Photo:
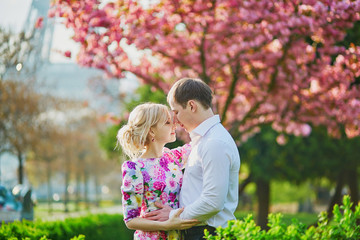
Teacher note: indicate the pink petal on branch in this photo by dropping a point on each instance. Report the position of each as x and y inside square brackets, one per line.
[267, 44]
[281, 140]
[67, 54]
[305, 130]
[39, 22]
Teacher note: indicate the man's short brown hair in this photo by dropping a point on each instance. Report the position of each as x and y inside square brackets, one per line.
[187, 89]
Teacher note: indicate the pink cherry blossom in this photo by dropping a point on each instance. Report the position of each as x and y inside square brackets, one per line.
[67, 54]
[39, 22]
[268, 62]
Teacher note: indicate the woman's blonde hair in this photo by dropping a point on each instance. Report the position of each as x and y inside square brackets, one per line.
[133, 137]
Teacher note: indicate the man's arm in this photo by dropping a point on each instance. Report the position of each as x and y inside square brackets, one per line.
[216, 159]
[172, 223]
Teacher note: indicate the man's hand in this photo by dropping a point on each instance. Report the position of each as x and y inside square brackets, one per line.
[176, 223]
[162, 214]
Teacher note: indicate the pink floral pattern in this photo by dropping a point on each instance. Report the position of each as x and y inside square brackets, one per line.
[146, 181]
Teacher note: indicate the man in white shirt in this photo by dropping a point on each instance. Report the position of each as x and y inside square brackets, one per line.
[209, 191]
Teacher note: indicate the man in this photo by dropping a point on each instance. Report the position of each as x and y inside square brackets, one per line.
[210, 185]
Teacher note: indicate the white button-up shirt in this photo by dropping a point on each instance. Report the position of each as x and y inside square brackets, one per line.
[210, 185]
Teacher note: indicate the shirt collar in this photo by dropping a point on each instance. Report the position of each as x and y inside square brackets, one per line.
[203, 127]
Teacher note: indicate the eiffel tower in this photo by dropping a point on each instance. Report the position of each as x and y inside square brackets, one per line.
[67, 79]
[43, 36]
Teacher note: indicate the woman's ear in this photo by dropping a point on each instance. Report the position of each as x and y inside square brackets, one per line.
[151, 133]
[151, 136]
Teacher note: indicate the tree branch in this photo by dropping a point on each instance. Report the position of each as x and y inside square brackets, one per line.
[246, 182]
[235, 78]
[203, 74]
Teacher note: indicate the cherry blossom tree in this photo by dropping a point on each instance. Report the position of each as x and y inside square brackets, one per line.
[268, 61]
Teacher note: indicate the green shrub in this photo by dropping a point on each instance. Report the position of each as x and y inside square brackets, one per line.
[344, 225]
[92, 227]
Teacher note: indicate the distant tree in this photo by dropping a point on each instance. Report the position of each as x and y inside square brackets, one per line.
[321, 155]
[267, 162]
[14, 51]
[43, 156]
[299, 159]
[20, 106]
[21, 101]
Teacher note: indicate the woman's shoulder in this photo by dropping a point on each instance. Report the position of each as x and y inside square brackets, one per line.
[176, 153]
[167, 153]
[130, 164]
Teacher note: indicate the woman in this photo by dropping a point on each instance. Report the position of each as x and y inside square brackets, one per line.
[153, 173]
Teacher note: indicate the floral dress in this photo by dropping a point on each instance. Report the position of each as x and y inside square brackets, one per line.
[147, 180]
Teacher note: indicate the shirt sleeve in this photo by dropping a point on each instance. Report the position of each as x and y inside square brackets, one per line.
[216, 161]
[132, 190]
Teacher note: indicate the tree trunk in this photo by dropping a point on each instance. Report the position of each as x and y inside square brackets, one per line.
[78, 178]
[97, 194]
[48, 171]
[354, 187]
[336, 198]
[20, 169]
[66, 193]
[244, 184]
[0, 169]
[86, 188]
[263, 196]
[67, 181]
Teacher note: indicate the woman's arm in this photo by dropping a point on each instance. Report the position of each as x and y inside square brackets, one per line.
[132, 190]
[171, 224]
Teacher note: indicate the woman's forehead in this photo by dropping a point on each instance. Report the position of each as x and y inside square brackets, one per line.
[168, 113]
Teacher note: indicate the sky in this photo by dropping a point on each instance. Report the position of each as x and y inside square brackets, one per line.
[13, 14]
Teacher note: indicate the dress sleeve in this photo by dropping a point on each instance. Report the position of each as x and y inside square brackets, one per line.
[132, 190]
[180, 154]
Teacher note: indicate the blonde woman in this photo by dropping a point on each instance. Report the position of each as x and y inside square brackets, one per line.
[153, 174]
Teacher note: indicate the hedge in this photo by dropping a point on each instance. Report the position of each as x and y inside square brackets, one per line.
[91, 227]
[344, 225]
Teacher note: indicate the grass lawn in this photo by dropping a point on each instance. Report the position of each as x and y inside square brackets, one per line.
[42, 212]
[305, 218]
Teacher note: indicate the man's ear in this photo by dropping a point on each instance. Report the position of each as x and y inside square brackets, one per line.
[192, 105]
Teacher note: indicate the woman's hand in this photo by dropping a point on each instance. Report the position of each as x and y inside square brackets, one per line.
[161, 214]
[176, 223]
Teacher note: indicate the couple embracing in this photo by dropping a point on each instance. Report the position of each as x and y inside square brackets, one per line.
[178, 193]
